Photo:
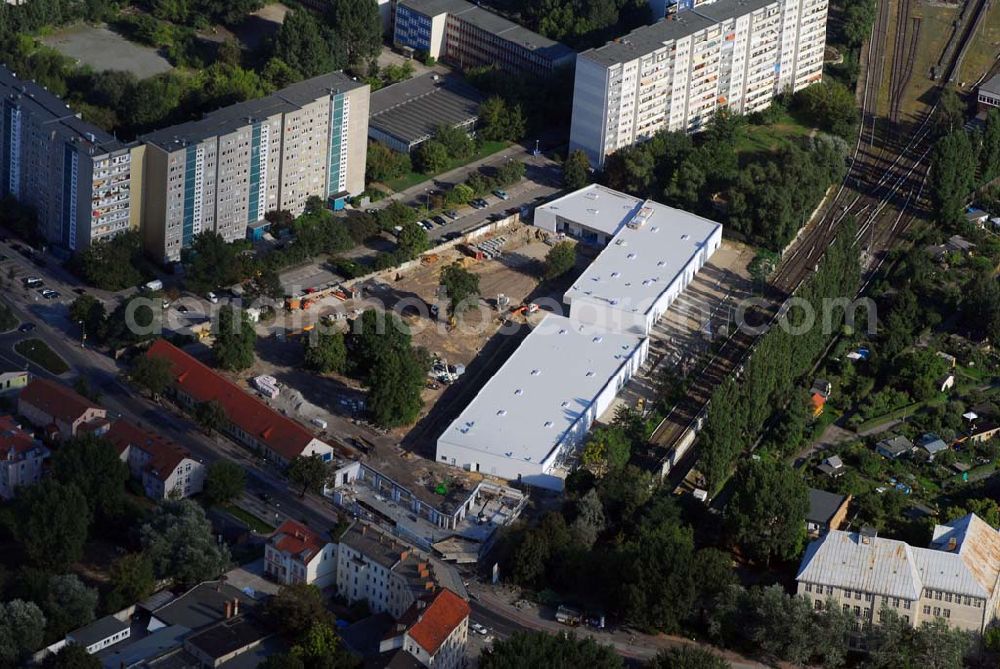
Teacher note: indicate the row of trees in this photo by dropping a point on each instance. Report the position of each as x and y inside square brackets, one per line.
[960, 162]
[765, 197]
[740, 407]
[580, 23]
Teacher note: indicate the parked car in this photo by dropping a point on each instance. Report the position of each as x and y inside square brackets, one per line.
[502, 194]
[452, 214]
[32, 282]
[479, 203]
[213, 298]
[478, 628]
[26, 327]
[50, 294]
[439, 220]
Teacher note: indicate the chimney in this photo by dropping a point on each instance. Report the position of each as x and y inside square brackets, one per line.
[952, 544]
[236, 606]
[364, 530]
[403, 556]
[228, 609]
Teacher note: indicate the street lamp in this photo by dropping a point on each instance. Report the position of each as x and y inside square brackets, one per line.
[83, 333]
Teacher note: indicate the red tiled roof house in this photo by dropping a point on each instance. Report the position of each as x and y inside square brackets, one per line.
[21, 458]
[165, 469]
[60, 410]
[251, 422]
[434, 630]
[297, 554]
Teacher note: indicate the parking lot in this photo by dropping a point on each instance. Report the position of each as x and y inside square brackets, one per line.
[103, 49]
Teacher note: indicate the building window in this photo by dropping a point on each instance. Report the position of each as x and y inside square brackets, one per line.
[895, 602]
[857, 595]
[947, 597]
[809, 587]
[947, 613]
[818, 605]
[927, 610]
[906, 604]
[857, 611]
[937, 611]
[937, 595]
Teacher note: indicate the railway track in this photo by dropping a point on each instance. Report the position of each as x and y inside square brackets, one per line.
[883, 187]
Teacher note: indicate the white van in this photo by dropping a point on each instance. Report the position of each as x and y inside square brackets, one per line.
[319, 422]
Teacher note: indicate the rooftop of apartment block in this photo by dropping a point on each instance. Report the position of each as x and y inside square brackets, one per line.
[492, 23]
[647, 39]
[230, 119]
[48, 106]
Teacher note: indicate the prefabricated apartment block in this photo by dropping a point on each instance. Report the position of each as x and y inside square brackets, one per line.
[467, 35]
[225, 171]
[673, 75]
[527, 421]
[81, 181]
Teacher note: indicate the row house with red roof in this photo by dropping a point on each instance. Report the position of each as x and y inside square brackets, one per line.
[22, 458]
[297, 554]
[165, 469]
[434, 631]
[60, 411]
[250, 421]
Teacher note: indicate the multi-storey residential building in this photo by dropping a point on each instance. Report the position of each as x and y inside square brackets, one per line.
[434, 631]
[955, 579]
[467, 35]
[297, 554]
[225, 171]
[79, 179]
[60, 411]
[386, 572]
[165, 469]
[21, 458]
[674, 75]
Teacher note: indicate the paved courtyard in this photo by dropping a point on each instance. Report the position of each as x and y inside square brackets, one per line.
[103, 49]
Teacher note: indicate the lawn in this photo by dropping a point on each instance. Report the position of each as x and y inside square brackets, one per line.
[935, 29]
[249, 519]
[784, 132]
[39, 353]
[984, 49]
[413, 178]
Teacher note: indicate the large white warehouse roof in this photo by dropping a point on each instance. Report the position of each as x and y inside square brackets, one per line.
[593, 206]
[646, 258]
[552, 380]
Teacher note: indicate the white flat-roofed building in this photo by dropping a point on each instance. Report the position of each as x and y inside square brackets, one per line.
[654, 252]
[542, 402]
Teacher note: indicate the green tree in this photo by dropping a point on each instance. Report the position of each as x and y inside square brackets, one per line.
[235, 341]
[859, 16]
[358, 26]
[89, 312]
[309, 472]
[22, 629]
[279, 74]
[553, 651]
[989, 155]
[307, 46]
[72, 656]
[224, 481]
[318, 646]
[91, 464]
[607, 448]
[456, 141]
[461, 286]
[132, 580]
[500, 122]
[950, 111]
[687, 657]
[153, 374]
[297, 608]
[211, 416]
[576, 170]
[560, 259]
[179, 541]
[952, 176]
[52, 523]
[412, 241]
[589, 521]
[109, 263]
[430, 157]
[767, 512]
[394, 387]
[69, 605]
[211, 262]
[830, 105]
[326, 352]
[383, 163]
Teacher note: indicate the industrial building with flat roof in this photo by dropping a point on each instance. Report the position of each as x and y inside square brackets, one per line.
[78, 178]
[673, 75]
[224, 172]
[405, 115]
[527, 421]
[542, 401]
[655, 253]
[467, 35]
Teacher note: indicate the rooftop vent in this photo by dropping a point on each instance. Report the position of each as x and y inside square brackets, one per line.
[502, 412]
[562, 330]
[564, 404]
[630, 256]
[590, 373]
[615, 275]
[519, 392]
[536, 372]
[548, 423]
[685, 237]
[598, 339]
[621, 242]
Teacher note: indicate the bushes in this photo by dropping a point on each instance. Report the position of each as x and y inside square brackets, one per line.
[430, 157]
[384, 164]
